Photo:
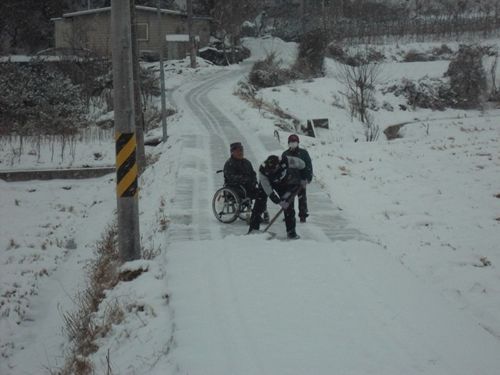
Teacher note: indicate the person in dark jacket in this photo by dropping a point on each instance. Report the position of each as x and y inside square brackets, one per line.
[305, 174]
[279, 183]
[238, 171]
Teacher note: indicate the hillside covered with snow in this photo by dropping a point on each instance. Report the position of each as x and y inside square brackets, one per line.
[396, 271]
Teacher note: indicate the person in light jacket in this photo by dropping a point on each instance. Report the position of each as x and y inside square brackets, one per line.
[278, 181]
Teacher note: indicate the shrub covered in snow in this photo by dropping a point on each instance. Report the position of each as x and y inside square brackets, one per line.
[467, 76]
[336, 52]
[150, 85]
[355, 57]
[36, 99]
[414, 56]
[92, 74]
[268, 73]
[311, 54]
[464, 88]
[442, 52]
[433, 93]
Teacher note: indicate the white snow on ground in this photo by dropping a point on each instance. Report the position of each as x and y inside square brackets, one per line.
[260, 48]
[312, 307]
[47, 232]
[396, 271]
[94, 147]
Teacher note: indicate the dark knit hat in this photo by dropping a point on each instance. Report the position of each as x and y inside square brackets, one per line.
[235, 146]
[271, 162]
[293, 138]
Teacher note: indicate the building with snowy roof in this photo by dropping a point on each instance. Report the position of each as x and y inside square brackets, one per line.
[91, 30]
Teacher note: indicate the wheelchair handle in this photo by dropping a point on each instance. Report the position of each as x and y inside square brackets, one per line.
[219, 171]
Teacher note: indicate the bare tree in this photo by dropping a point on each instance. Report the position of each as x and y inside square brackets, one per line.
[359, 82]
[229, 15]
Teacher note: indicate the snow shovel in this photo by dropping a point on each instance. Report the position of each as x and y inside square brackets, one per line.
[290, 199]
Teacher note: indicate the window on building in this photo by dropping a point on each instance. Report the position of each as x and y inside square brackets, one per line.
[142, 31]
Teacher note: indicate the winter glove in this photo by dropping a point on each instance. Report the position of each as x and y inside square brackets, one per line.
[284, 204]
[274, 198]
[303, 184]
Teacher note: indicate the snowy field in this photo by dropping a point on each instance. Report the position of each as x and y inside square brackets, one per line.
[47, 232]
[396, 272]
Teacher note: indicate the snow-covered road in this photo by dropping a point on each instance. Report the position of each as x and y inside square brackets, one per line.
[334, 302]
[205, 149]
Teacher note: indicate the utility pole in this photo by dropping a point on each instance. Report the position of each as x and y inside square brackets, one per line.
[192, 46]
[126, 166]
[161, 39]
[139, 115]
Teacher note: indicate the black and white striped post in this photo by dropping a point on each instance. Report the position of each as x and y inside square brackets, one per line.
[126, 165]
[126, 144]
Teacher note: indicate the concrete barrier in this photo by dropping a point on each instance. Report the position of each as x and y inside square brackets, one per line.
[52, 174]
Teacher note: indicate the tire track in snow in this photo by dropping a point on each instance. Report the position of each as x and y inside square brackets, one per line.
[190, 217]
[221, 134]
[202, 153]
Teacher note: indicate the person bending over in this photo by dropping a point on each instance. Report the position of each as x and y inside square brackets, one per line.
[278, 182]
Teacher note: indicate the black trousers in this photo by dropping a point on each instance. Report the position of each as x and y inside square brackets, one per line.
[302, 198]
[261, 204]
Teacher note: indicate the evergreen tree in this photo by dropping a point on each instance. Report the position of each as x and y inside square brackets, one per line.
[467, 76]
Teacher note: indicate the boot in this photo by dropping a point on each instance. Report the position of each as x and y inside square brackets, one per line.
[265, 217]
[292, 235]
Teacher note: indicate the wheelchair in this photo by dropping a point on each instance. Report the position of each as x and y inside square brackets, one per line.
[230, 202]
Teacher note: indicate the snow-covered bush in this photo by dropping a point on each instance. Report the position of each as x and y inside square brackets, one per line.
[467, 76]
[91, 73]
[354, 57]
[433, 93]
[36, 99]
[336, 52]
[249, 29]
[442, 52]
[268, 73]
[152, 116]
[416, 56]
[373, 55]
[311, 54]
[150, 85]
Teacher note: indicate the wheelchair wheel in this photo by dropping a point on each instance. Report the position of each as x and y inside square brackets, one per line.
[245, 210]
[226, 205]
